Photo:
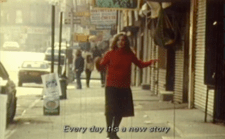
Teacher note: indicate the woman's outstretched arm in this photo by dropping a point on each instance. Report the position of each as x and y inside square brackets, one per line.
[142, 64]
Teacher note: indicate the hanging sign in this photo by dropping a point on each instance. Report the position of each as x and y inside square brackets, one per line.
[103, 17]
[133, 4]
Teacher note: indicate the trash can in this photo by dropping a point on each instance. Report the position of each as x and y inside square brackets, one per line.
[63, 85]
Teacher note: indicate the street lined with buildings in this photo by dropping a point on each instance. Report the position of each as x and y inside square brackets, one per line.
[82, 117]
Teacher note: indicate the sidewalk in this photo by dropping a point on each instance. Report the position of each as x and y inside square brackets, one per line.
[84, 109]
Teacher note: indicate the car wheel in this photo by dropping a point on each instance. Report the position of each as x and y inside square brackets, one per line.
[14, 109]
[20, 83]
[11, 110]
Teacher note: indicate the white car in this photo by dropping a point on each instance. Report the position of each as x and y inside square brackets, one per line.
[11, 46]
[48, 54]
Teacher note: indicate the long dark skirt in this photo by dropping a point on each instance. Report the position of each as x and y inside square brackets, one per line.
[119, 102]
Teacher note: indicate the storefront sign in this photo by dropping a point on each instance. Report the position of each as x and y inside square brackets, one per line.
[75, 21]
[80, 38]
[94, 32]
[116, 3]
[103, 27]
[82, 14]
[103, 17]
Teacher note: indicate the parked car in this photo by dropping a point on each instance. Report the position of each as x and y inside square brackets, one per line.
[11, 46]
[31, 71]
[8, 87]
[48, 55]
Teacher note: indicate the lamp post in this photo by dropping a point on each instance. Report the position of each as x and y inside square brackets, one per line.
[53, 38]
[60, 41]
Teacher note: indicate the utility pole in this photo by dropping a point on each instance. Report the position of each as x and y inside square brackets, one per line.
[74, 6]
[53, 38]
[71, 35]
[72, 27]
[60, 41]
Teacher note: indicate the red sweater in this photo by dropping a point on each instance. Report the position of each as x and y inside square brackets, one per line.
[118, 63]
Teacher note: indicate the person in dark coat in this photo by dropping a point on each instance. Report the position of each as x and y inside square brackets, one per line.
[89, 67]
[96, 54]
[118, 95]
[79, 67]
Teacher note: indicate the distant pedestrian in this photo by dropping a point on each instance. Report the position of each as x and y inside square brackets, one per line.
[89, 67]
[79, 67]
[118, 95]
[96, 52]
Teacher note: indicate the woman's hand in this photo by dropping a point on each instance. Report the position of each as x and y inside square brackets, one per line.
[155, 60]
[97, 63]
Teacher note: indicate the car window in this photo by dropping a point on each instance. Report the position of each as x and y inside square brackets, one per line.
[3, 72]
[36, 65]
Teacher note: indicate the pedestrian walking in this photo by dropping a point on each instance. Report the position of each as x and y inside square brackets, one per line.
[118, 95]
[97, 53]
[79, 67]
[89, 67]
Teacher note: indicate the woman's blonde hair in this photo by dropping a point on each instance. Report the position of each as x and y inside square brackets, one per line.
[115, 40]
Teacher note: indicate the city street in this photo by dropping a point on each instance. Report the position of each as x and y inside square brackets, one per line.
[82, 117]
[171, 53]
[83, 108]
[82, 113]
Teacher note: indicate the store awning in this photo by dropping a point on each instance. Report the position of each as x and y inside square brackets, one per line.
[169, 0]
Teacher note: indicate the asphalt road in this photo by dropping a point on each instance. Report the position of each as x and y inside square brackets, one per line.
[29, 93]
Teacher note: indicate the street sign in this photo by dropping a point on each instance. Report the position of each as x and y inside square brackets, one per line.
[79, 14]
[103, 17]
[116, 3]
[82, 13]
[75, 21]
[103, 27]
[80, 38]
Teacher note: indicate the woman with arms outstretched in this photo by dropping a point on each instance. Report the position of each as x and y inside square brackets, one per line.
[118, 96]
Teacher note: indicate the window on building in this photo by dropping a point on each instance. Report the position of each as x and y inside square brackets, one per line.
[78, 2]
[19, 17]
[2, 17]
[7, 18]
[33, 16]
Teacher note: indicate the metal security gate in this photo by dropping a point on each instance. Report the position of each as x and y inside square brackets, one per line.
[155, 70]
[162, 65]
[179, 72]
[199, 86]
[154, 67]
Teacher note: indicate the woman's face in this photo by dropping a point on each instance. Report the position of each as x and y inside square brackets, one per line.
[121, 42]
